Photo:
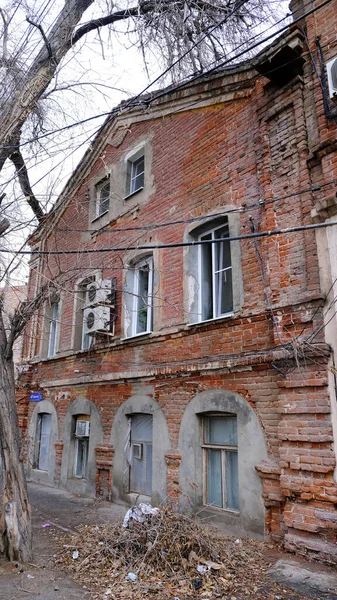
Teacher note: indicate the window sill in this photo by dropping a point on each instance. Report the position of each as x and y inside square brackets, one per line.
[133, 193]
[137, 335]
[226, 316]
[99, 216]
[232, 511]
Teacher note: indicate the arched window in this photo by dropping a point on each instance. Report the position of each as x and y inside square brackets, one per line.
[213, 270]
[220, 449]
[42, 442]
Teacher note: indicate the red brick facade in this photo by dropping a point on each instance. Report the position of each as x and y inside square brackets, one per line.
[235, 140]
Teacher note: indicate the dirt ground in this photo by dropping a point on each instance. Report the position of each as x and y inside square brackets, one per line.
[57, 513]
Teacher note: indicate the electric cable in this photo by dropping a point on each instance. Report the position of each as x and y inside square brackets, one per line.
[246, 236]
[132, 102]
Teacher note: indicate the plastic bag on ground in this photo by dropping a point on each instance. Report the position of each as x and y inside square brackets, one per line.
[140, 513]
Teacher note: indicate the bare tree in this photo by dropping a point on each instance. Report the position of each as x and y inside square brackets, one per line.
[191, 35]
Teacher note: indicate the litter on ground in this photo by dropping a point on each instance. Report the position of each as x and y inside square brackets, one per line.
[165, 556]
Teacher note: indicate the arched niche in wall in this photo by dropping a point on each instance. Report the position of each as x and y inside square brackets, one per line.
[42, 435]
[78, 470]
[140, 439]
[221, 442]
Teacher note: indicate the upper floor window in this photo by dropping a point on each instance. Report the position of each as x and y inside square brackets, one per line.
[135, 173]
[220, 447]
[215, 266]
[102, 196]
[214, 285]
[53, 329]
[139, 298]
[51, 326]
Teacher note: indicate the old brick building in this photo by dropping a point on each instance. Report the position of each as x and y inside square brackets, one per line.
[176, 366]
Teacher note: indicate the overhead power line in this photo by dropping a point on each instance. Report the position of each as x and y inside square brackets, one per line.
[234, 238]
[137, 101]
[242, 208]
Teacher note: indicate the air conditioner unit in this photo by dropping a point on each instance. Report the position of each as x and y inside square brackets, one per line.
[96, 318]
[99, 292]
[82, 428]
[331, 68]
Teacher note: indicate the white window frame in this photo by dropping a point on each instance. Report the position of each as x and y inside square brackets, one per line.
[134, 175]
[131, 177]
[214, 248]
[148, 302]
[38, 440]
[86, 340]
[53, 329]
[223, 448]
[101, 185]
[85, 465]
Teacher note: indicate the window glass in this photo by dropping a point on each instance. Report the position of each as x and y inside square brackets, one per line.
[216, 290]
[141, 443]
[102, 197]
[221, 478]
[143, 298]
[137, 175]
[81, 446]
[43, 431]
[81, 466]
[221, 430]
[206, 278]
[53, 329]
[214, 478]
[138, 298]
[232, 480]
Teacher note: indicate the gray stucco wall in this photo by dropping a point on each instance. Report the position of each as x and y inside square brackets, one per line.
[251, 451]
[140, 404]
[81, 406]
[46, 477]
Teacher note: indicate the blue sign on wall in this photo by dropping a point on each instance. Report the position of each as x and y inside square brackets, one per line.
[35, 396]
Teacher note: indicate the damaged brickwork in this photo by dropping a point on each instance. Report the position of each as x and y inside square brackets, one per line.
[256, 150]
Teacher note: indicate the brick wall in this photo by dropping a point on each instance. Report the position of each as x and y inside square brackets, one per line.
[255, 145]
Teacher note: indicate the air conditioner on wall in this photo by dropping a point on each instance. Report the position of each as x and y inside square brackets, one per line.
[95, 319]
[82, 428]
[331, 68]
[99, 292]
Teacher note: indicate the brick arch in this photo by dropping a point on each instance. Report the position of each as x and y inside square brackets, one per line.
[251, 451]
[81, 406]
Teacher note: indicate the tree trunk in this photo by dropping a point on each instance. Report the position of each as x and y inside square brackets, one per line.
[15, 520]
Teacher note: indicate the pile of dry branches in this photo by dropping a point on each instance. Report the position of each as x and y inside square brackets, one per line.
[165, 553]
[168, 557]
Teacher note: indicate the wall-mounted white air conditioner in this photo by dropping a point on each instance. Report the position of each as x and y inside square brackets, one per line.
[82, 428]
[99, 292]
[96, 318]
[331, 68]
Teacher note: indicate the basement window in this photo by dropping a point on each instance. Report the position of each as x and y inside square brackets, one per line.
[42, 442]
[81, 447]
[221, 473]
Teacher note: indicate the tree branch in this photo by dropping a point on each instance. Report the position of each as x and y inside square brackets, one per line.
[45, 39]
[4, 224]
[5, 36]
[137, 11]
[22, 173]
